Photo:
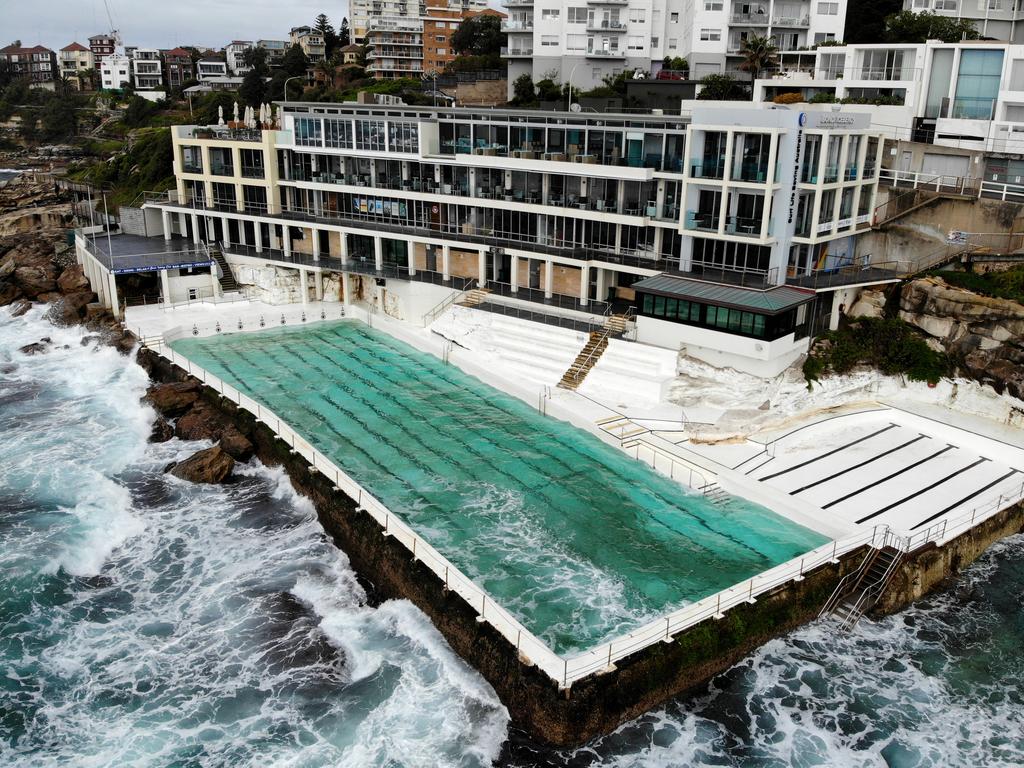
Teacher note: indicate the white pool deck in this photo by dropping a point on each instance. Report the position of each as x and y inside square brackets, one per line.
[838, 470]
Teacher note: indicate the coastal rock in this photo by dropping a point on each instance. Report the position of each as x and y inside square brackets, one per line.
[162, 431]
[124, 343]
[173, 399]
[9, 293]
[212, 465]
[236, 444]
[73, 280]
[202, 422]
[19, 307]
[50, 297]
[7, 268]
[870, 303]
[37, 347]
[34, 280]
[70, 309]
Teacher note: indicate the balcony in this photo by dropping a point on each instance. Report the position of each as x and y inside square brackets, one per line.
[519, 3]
[189, 166]
[749, 19]
[516, 53]
[702, 221]
[607, 2]
[710, 170]
[752, 172]
[517, 25]
[252, 172]
[222, 169]
[744, 226]
[791, 22]
[606, 26]
[605, 53]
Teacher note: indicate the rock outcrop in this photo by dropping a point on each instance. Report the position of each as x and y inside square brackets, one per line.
[985, 335]
[212, 465]
[173, 399]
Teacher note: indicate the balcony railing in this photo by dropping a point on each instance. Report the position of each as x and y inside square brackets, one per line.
[516, 53]
[715, 170]
[744, 226]
[253, 171]
[750, 19]
[191, 167]
[605, 53]
[516, 25]
[606, 26]
[222, 169]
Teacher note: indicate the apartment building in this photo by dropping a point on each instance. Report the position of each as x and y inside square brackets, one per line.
[311, 42]
[115, 71]
[210, 69]
[725, 232]
[441, 20]
[276, 49]
[234, 52]
[963, 96]
[178, 68]
[102, 45]
[74, 60]
[36, 63]
[147, 70]
[994, 19]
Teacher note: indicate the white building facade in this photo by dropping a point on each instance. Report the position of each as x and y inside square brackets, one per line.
[234, 52]
[115, 71]
[147, 70]
[994, 19]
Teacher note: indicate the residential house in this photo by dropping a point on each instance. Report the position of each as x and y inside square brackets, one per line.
[276, 49]
[37, 64]
[311, 42]
[350, 53]
[147, 70]
[178, 68]
[234, 52]
[207, 69]
[102, 45]
[74, 60]
[115, 71]
[994, 19]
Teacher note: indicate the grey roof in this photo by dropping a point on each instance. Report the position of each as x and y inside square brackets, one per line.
[772, 301]
[124, 253]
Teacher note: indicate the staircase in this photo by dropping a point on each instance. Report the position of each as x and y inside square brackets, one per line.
[474, 297]
[585, 360]
[857, 593]
[714, 493]
[227, 277]
[616, 324]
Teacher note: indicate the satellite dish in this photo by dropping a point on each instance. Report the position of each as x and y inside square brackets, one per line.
[575, 107]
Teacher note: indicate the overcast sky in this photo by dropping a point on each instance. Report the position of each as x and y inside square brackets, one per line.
[160, 23]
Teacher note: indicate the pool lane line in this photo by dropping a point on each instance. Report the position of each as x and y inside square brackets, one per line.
[826, 455]
[890, 477]
[967, 498]
[915, 494]
[858, 466]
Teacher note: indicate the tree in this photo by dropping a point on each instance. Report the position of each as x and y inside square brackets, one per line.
[208, 112]
[58, 119]
[522, 90]
[256, 59]
[323, 25]
[277, 83]
[138, 112]
[344, 33]
[295, 62]
[253, 90]
[758, 54]
[478, 35]
[865, 19]
[912, 27]
[722, 88]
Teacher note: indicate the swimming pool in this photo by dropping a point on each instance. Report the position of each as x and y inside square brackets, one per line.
[577, 540]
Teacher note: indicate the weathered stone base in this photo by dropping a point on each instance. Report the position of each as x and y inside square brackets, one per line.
[537, 704]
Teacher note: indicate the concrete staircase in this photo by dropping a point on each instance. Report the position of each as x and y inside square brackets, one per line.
[227, 277]
[585, 360]
[474, 297]
[857, 593]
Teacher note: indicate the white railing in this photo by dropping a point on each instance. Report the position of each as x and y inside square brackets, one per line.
[563, 670]
[674, 467]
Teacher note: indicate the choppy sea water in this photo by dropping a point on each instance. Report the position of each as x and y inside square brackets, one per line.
[148, 622]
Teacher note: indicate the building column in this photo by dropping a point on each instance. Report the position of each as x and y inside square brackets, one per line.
[344, 248]
[211, 233]
[166, 216]
[602, 284]
[303, 286]
[241, 233]
[318, 284]
[183, 224]
[378, 253]
[482, 267]
[214, 282]
[346, 297]
[446, 263]
[584, 284]
[410, 258]
[115, 304]
[286, 241]
[195, 229]
[165, 286]
[514, 272]
[258, 235]
[315, 234]
[549, 279]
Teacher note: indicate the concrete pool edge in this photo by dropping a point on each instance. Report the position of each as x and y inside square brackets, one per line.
[600, 701]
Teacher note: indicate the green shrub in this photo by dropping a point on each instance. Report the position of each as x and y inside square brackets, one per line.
[998, 285]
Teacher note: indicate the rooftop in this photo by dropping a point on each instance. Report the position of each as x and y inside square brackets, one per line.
[772, 301]
[124, 254]
[75, 47]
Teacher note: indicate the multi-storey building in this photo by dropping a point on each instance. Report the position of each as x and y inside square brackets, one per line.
[276, 49]
[178, 68]
[36, 64]
[74, 60]
[208, 69]
[994, 19]
[147, 69]
[310, 41]
[958, 96]
[396, 47]
[115, 71]
[234, 52]
[102, 46]
[440, 21]
[727, 234]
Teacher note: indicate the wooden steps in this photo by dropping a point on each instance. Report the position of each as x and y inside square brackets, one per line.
[585, 360]
[474, 297]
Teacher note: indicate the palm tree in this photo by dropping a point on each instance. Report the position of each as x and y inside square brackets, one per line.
[758, 54]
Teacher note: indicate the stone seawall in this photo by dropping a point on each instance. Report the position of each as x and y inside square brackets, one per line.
[590, 707]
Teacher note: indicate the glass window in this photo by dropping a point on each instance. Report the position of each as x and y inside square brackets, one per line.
[648, 304]
[404, 137]
[370, 135]
[659, 306]
[338, 133]
[758, 325]
[977, 85]
[307, 132]
[671, 308]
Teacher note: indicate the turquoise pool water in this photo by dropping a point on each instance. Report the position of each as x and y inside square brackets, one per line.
[576, 539]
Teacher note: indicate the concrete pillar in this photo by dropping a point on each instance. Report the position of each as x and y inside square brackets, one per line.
[549, 279]
[315, 234]
[241, 233]
[410, 257]
[446, 263]
[195, 229]
[258, 236]
[165, 286]
[346, 296]
[344, 248]
[167, 224]
[482, 267]
[378, 253]
[286, 241]
[304, 286]
[183, 223]
[584, 284]
[318, 284]
[211, 233]
[514, 271]
[214, 282]
[602, 283]
[115, 304]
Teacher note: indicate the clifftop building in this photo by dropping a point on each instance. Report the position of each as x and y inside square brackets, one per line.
[37, 64]
[994, 19]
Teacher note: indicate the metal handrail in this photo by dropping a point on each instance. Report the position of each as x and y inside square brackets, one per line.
[431, 315]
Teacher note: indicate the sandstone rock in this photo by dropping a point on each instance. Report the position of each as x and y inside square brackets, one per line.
[70, 309]
[173, 399]
[20, 306]
[236, 444]
[212, 465]
[9, 292]
[34, 280]
[162, 431]
[73, 280]
[870, 303]
[124, 343]
[202, 422]
[7, 268]
[37, 347]
[49, 297]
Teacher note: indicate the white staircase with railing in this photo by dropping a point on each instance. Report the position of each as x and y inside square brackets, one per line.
[858, 592]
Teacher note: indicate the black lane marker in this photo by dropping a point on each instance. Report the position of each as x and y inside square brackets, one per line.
[858, 466]
[965, 499]
[890, 477]
[830, 453]
[915, 494]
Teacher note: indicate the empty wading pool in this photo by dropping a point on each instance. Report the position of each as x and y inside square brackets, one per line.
[577, 540]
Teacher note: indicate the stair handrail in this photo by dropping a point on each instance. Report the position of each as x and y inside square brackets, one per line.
[841, 589]
[705, 485]
[872, 592]
[605, 335]
[432, 315]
